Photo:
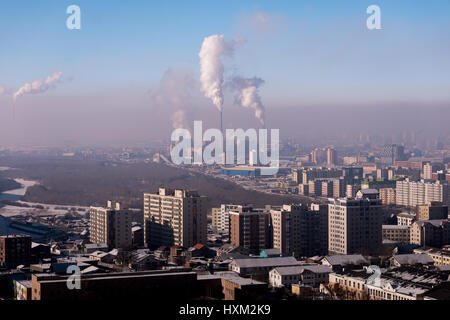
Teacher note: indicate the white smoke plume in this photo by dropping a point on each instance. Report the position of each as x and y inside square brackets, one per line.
[173, 95]
[211, 67]
[38, 86]
[248, 95]
[5, 91]
[179, 120]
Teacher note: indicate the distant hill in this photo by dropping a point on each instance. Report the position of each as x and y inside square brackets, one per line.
[8, 184]
[84, 183]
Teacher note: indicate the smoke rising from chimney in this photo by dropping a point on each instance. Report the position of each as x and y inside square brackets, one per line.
[38, 86]
[248, 95]
[179, 120]
[211, 67]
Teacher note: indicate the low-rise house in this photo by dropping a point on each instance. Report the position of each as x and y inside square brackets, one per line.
[339, 263]
[142, 260]
[238, 288]
[260, 267]
[441, 257]
[200, 250]
[91, 247]
[270, 253]
[39, 251]
[411, 260]
[102, 256]
[309, 275]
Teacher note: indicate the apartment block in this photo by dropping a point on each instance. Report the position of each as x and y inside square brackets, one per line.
[110, 225]
[249, 228]
[299, 230]
[387, 196]
[405, 219]
[431, 233]
[15, 250]
[223, 218]
[399, 234]
[415, 193]
[355, 225]
[432, 211]
[174, 217]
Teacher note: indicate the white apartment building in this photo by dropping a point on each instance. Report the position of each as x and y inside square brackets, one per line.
[174, 217]
[110, 225]
[222, 218]
[355, 225]
[405, 219]
[412, 193]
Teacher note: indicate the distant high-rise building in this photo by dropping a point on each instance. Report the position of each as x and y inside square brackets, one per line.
[249, 228]
[432, 211]
[393, 153]
[327, 189]
[174, 217]
[296, 176]
[314, 156]
[215, 218]
[414, 193]
[15, 250]
[319, 156]
[338, 188]
[253, 157]
[355, 225]
[382, 173]
[387, 196]
[222, 217]
[331, 157]
[427, 171]
[300, 231]
[110, 225]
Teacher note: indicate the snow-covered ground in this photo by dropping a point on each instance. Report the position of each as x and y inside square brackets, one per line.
[16, 194]
[21, 191]
[49, 209]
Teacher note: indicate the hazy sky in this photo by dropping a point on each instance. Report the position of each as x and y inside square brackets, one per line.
[134, 63]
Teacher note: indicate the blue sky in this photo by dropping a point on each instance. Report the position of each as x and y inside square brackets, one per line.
[312, 51]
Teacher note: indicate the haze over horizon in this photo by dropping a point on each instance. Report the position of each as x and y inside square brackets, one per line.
[123, 76]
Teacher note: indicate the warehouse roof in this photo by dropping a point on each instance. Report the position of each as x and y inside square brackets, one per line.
[266, 262]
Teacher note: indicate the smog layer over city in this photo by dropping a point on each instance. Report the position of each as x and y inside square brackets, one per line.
[225, 158]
